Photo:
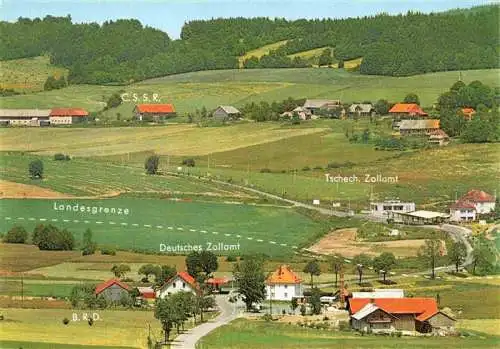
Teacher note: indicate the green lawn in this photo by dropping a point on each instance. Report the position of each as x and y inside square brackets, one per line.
[237, 87]
[39, 345]
[154, 221]
[15, 288]
[252, 334]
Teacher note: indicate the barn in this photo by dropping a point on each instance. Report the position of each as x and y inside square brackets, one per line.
[154, 112]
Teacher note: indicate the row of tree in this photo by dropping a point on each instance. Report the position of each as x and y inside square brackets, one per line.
[46, 237]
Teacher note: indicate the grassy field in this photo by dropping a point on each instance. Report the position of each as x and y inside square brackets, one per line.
[115, 329]
[250, 334]
[153, 221]
[237, 87]
[37, 345]
[28, 74]
[316, 52]
[261, 51]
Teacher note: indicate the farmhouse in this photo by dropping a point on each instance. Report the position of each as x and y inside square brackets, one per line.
[419, 217]
[474, 203]
[408, 315]
[380, 293]
[24, 117]
[407, 111]
[146, 294]
[154, 112]
[315, 105]
[283, 285]
[418, 127]
[362, 109]
[301, 112]
[468, 113]
[383, 208]
[182, 281]
[226, 112]
[438, 137]
[67, 116]
[113, 290]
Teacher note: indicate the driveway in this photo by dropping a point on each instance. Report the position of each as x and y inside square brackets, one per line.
[188, 339]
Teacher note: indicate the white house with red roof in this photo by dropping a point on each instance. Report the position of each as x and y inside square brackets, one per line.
[154, 112]
[408, 315]
[474, 203]
[113, 290]
[182, 281]
[67, 116]
[283, 285]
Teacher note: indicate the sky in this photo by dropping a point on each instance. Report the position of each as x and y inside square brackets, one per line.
[170, 15]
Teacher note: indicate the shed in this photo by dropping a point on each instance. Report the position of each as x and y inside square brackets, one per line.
[113, 290]
[226, 112]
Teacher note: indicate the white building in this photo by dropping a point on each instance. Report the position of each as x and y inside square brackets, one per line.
[462, 211]
[283, 285]
[180, 282]
[483, 202]
[383, 208]
[380, 293]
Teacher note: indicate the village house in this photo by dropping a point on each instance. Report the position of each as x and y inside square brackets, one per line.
[418, 127]
[420, 217]
[283, 285]
[182, 281]
[146, 294]
[438, 137]
[408, 315]
[67, 116]
[469, 206]
[226, 112]
[380, 293]
[315, 105]
[362, 109]
[25, 117]
[301, 112]
[382, 208]
[113, 290]
[407, 111]
[154, 112]
[468, 113]
[218, 283]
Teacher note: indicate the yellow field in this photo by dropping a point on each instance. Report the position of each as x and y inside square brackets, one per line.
[27, 74]
[117, 328]
[261, 51]
[310, 53]
[171, 139]
[353, 63]
[489, 326]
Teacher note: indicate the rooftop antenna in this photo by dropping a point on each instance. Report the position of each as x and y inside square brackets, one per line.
[459, 76]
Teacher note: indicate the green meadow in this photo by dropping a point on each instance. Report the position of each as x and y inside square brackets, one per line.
[150, 222]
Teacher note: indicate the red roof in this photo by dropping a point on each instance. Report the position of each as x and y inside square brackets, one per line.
[283, 275]
[69, 112]
[101, 287]
[217, 281]
[155, 108]
[438, 132]
[410, 108]
[477, 196]
[463, 204]
[147, 292]
[184, 275]
[468, 110]
[422, 308]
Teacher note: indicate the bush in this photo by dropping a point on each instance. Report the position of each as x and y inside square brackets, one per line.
[344, 326]
[151, 164]
[231, 258]
[267, 317]
[65, 321]
[306, 168]
[50, 238]
[317, 168]
[111, 251]
[16, 235]
[188, 162]
[265, 170]
[36, 169]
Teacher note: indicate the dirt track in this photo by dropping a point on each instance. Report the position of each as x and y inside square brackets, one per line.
[12, 190]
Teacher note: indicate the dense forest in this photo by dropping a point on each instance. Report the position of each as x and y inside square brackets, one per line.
[124, 50]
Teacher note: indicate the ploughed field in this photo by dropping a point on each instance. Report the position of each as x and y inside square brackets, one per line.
[163, 225]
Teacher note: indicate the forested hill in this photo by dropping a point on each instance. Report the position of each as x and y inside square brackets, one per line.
[123, 51]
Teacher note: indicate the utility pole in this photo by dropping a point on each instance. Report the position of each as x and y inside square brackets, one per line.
[208, 164]
[168, 162]
[341, 291]
[22, 290]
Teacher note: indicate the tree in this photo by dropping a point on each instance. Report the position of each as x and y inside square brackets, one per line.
[36, 169]
[483, 256]
[16, 235]
[315, 301]
[193, 264]
[412, 98]
[336, 265]
[151, 164]
[452, 122]
[384, 263]
[430, 253]
[250, 278]
[457, 253]
[382, 107]
[208, 262]
[49, 237]
[325, 58]
[481, 129]
[167, 272]
[202, 303]
[149, 269]
[360, 262]
[312, 268]
[120, 270]
[114, 101]
[89, 246]
[341, 64]
[457, 86]
[167, 313]
[294, 304]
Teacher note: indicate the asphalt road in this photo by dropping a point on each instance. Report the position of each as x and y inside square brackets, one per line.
[188, 339]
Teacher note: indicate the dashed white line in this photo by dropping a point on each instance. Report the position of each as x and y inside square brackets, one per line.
[54, 219]
[98, 222]
[135, 224]
[87, 222]
[31, 219]
[283, 244]
[147, 225]
[180, 228]
[193, 230]
[112, 223]
[215, 233]
[294, 247]
[159, 226]
[7, 218]
[227, 234]
[347, 261]
[238, 235]
[204, 231]
[20, 218]
[65, 220]
[123, 223]
[260, 240]
[170, 228]
[43, 219]
[249, 238]
[74, 221]
[272, 242]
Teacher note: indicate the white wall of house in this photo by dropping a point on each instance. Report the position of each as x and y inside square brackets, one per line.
[485, 207]
[382, 209]
[284, 292]
[462, 214]
[175, 285]
[61, 120]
